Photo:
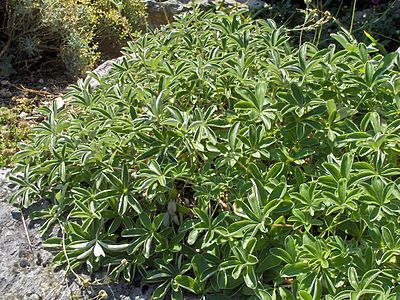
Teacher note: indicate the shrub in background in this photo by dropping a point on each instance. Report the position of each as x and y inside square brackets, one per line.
[63, 32]
[313, 20]
[216, 159]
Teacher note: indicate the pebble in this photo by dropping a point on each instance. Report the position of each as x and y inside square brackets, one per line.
[59, 102]
[5, 93]
[4, 82]
[34, 297]
[41, 81]
[23, 115]
[23, 263]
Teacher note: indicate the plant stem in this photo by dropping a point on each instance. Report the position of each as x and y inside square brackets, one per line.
[352, 15]
[26, 230]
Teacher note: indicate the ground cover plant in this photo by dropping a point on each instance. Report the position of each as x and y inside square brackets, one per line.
[219, 160]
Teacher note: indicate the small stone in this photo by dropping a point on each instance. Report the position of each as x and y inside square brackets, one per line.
[39, 259]
[41, 81]
[59, 102]
[23, 115]
[34, 297]
[23, 263]
[5, 93]
[4, 82]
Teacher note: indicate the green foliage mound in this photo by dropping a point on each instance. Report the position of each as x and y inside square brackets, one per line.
[218, 160]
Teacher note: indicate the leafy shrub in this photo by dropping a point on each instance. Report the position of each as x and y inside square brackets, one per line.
[66, 32]
[313, 20]
[218, 160]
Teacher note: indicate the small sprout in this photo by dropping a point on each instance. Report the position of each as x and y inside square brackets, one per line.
[85, 283]
[103, 294]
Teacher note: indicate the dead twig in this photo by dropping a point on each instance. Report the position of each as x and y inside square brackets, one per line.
[26, 230]
[32, 91]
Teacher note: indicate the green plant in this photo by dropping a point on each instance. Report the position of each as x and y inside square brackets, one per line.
[218, 160]
[64, 32]
[314, 20]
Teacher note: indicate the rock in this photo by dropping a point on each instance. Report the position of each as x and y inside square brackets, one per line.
[102, 71]
[41, 81]
[4, 82]
[5, 93]
[162, 12]
[23, 115]
[34, 297]
[23, 263]
[3, 174]
[59, 102]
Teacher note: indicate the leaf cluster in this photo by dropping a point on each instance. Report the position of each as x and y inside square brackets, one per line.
[217, 159]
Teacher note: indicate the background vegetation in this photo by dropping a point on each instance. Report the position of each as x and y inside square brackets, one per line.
[64, 34]
[314, 20]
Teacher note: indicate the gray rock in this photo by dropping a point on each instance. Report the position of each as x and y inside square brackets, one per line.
[23, 263]
[5, 93]
[102, 71]
[23, 115]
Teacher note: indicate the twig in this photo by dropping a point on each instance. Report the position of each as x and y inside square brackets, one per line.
[26, 230]
[66, 255]
[353, 15]
[32, 91]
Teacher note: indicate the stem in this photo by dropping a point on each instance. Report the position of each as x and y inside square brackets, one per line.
[304, 24]
[66, 254]
[352, 15]
[26, 229]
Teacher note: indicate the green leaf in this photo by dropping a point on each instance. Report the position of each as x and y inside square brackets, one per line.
[297, 93]
[282, 254]
[346, 165]
[98, 250]
[232, 135]
[294, 269]
[161, 291]
[305, 295]
[188, 283]
[250, 277]
[192, 237]
[353, 278]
